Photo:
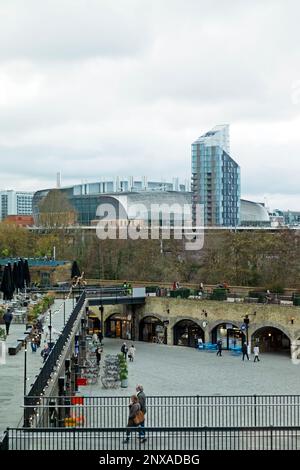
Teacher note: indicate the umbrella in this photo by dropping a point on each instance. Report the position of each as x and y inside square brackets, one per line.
[15, 275]
[75, 270]
[21, 274]
[11, 279]
[26, 273]
[6, 284]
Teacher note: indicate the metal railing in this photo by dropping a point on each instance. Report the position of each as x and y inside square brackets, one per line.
[170, 411]
[175, 438]
[42, 379]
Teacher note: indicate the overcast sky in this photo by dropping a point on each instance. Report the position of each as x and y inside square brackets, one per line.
[97, 88]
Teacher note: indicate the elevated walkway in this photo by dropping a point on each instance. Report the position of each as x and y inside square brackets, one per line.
[115, 295]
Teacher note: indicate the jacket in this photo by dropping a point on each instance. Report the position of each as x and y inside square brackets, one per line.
[133, 409]
[142, 400]
[7, 317]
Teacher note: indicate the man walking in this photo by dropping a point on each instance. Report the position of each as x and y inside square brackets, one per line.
[98, 351]
[124, 350]
[7, 317]
[256, 353]
[219, 347]
[245, 350]
[142, 401]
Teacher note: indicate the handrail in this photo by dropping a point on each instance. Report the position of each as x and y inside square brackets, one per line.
[42, 379]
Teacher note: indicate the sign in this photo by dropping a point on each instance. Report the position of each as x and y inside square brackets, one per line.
[243, 327]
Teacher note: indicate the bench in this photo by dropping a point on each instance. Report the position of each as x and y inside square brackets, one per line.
[13, 350]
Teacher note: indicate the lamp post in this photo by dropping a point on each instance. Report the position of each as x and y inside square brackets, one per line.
[101, 308]
[64, 309]
[50, 329]
[246, 322]
[25, 367]
[25, 417]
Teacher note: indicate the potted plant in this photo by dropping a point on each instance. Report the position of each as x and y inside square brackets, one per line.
[2, 334]
[124, 377]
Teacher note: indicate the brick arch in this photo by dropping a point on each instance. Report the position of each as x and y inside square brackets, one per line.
[257, 327]
[197, 321]
[212, 325]
[155, 315]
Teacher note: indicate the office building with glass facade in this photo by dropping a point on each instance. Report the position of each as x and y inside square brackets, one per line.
[123, 194]
[216, 179]
[15, 203]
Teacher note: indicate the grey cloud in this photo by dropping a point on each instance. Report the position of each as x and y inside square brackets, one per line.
[69, 29]
[99, 88]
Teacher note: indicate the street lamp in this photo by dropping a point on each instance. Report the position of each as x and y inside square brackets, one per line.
[101, 308]
[50, 328]
[246, 322]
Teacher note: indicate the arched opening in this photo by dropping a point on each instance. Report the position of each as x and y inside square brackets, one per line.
[271, 339]
[94, 323]
[230, 334]
[186, 333]
[119, 325]
[153, 330]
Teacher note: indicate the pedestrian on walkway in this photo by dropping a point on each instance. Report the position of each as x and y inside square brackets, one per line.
[46, 351]
[131, 353]
[142, 401]
[99, 351]
[100, 337]
[256, 353]
[245, 350]
[134, 408]
[7, 317]
[124, 350]
[219, 347]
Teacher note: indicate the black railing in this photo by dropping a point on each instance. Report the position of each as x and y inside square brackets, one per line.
[171, 411]
[44, 376]
[175, 438]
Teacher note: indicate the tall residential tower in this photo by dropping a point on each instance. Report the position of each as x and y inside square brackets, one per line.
[216, 178]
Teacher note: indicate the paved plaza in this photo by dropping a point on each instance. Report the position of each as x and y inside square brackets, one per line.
[12, 372]
[176, 370]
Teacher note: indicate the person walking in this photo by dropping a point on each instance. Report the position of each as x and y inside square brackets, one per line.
[131, 353]
[34, 339]
[46, 351]
[124, 350]
[142, 401]
[219, 347]
[100, 337]
[7, 317]
[256, 353]
[245, 351]
[99, 351]
[134, 408]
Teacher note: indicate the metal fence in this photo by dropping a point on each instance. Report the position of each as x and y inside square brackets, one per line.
[170, 411]
[41, 381]
[175, 438]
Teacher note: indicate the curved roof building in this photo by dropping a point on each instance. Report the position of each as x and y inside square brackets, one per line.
[253, 213]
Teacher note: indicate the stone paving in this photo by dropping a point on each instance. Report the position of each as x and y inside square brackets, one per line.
[12, 372]
[176, 370]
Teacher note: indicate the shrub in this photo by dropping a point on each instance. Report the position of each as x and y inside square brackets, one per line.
[219, 294]
[276, 289]
[2, 334]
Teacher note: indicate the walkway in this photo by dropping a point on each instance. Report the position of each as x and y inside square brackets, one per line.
[175, 370]
[12, 372]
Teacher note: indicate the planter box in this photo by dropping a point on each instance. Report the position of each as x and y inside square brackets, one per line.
[81, 381]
